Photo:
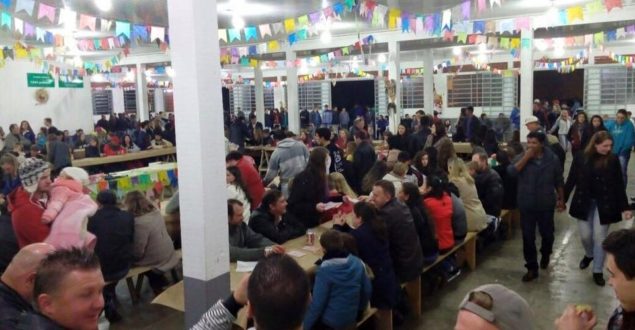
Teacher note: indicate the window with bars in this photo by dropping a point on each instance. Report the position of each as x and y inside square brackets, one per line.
[242, 98]
[270, 103]
[130, 101]
[412, 93]
[381, 99]
[608, 88]
[102, 102]
[313, 94]
[481, 89]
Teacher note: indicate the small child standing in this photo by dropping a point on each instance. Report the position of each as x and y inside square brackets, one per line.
[68, 209]
[342, 288]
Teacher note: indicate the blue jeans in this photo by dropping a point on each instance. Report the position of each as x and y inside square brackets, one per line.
[624, 157]
[593, 233]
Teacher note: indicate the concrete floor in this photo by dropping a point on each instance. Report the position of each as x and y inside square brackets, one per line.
[562, 284]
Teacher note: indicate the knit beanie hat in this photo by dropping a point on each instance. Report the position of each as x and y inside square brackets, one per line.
[30, 172]
[77, 174]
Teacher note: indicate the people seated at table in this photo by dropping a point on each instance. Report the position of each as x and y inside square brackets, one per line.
[405, 249]
[153, 246]
[16, 284]
[159, 142]
[461, 178]
[250, 176]
[364, 157]
[58, 153]
[412, 175]
[277, 294]
[489, 185]
[93, 148]
[510, 184]
[376, 173]
[68, 209]
[81, 140]
[309, 189]
[236, 189]
[410, 195]
[114, 147]
[114, 229]
[397, 175]
[323, 138]
[338, 189]
[371, 235]
[244, 243]
[341, 290]
[129, 144]
[399, 141]
[67, 292]
[141, 136]
[273, 221]
[287, 160]
[438, 204]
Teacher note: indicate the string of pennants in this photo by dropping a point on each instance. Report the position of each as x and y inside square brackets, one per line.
[627, 60]
[563, 66]
[144, 181]
[72, 20]
[240, 55]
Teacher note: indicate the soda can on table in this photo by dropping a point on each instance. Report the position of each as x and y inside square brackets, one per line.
[310, 237]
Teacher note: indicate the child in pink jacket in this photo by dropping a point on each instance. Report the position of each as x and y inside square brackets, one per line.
[69, 208]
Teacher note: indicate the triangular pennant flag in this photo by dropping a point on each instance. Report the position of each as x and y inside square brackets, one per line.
[265, 30]
[292, 38]
[610, 4]
[273, 46]
[466, 10]
[303, 21]
[302, 34]
[86, 21]
[111, 43]
[515, 43]
[122, 28]
[277, 28]
[46, 11]
[494, 2]
[5, 20]
[349, 4]
[504, 43]
[575, 13]
[18, 25]
[140, 31]
[289, 25]
[479, 27]
[222, 35]
[234, 34]
[6, 4]
[157, 32]
[251, 33]
[26, 5]
[481, 5]
[598, 38]
[68, 18]
[39, 34]
[393, 15]
[106, 25]
[345, 51]
[29, 30]
[461, 37]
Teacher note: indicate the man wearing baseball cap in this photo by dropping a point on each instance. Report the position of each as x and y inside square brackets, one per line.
[28, 202]
[533, 125]
[494, 307]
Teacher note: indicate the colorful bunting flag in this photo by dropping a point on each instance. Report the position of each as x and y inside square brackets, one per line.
[26, 5]
[122, 28]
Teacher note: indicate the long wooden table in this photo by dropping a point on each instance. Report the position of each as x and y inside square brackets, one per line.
[96, 161]
[265, 155]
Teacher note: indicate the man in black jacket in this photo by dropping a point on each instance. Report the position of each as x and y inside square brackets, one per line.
[305, 118]
[540, 191]
[16, 284]
[323, 137]
[114, 229]
[272, 220]
[489, 185]
[405, 249]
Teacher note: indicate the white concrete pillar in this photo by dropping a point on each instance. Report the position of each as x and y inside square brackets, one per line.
[526, 79]
[142, 94]
[293, 112]
[159, 100]
[278, 94]
[428, 81]
[260, 95]
[199, 133]
[394, 74]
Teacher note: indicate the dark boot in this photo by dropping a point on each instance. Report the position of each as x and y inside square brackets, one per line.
[530, 275]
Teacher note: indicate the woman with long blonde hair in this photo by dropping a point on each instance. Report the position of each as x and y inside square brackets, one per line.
[461, 178]
[338, 183]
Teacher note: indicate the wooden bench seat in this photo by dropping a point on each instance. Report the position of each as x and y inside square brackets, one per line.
[510, 218]
[470, 252]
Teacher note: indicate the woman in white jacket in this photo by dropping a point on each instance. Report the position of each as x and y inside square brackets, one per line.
[562, 126]
[236, 190]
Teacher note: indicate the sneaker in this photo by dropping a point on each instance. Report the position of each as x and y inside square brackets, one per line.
[586, 261]
[453, 275]
[598, 278]
[544, 262]
[530, 276]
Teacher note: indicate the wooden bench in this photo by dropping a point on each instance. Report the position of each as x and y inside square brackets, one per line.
[510, 218]
[469, 244]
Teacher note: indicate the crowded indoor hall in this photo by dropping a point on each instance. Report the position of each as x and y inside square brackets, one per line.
[387, 164]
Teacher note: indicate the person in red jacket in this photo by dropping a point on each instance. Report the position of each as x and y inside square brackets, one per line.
[27, 203]
[438, 203]
[250, 176]
[114, 147]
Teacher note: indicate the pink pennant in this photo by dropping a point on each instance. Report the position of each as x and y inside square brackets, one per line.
[523, 23]
[481, 5]
[610, 4]
[46, 11]
[86, 21]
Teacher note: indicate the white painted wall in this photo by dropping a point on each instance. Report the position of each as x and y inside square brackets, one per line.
[69, 108]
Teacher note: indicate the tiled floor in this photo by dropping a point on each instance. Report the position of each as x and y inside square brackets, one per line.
[502, 263]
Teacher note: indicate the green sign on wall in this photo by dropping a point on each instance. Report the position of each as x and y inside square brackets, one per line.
[70, 83]
[40, 80]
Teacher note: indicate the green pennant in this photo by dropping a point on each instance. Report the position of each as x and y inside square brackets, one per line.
[345, 51]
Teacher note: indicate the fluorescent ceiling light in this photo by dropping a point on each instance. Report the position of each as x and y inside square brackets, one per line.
[381, 58]
[457, 51]
[238, 22]
[233, 7]
[103, 5]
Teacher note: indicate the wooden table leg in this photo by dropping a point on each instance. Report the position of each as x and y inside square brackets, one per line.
[413, 289]
[470, 253]
[132, 290]
[383, 319]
